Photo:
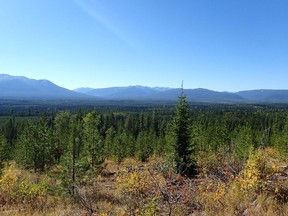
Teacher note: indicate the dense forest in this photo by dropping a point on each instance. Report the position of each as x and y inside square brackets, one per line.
[75, 145]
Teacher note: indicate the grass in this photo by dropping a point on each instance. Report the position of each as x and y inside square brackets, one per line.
[152, 188]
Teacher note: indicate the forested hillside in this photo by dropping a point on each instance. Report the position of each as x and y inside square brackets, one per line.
[222, 159]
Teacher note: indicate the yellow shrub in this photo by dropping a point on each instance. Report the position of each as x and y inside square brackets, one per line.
[261, 164]
[141, 192]
[137, 183]
[8, 184]
[251, 175]
[259, 178]
[211, 194]
[17, 188]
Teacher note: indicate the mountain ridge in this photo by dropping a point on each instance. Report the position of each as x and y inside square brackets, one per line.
[197, 95]
[20, 87]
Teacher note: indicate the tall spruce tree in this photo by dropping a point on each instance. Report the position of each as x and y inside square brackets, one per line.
[183, 149]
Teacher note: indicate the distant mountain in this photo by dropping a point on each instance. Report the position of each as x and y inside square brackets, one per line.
[159, 93]
[193, 95]
[265, 95]
[19, 87]
[127, 93]
[202, 95]
[83, 90]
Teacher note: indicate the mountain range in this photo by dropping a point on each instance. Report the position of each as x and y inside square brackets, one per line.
[19, 87]
[193, 95]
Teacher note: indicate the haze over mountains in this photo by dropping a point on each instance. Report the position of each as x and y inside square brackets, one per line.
[18, 87]
[158, 93]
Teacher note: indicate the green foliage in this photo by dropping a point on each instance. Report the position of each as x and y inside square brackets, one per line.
[141, 132]
[35, 146]
[61, 133]
[74, 164]
[120, 143]
[94, 145]
[183, 150]
[144, 146]
[223, 138]
[17, 187]
[242, 144]
[5, 151]
[109, 141]
[281, 138]
[85, 154]
[10, 131]
[198, 138]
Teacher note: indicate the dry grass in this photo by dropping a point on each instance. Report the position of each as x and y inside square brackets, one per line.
[136, 188]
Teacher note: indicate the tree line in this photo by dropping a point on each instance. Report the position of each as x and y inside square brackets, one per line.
[80, 141]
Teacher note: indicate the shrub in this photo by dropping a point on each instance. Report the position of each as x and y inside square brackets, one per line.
[140, 190]
[262, 186]
[18, 187]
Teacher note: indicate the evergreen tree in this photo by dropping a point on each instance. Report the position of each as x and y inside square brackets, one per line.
[198, 137]
[183, 150]
[5, 151]
[281, 141]
[121, 141]
[61, 134]
[10, 131]
[94, 145]
[109, 140]
[74, 162]
[144, 146]
[34, 148]
[243, 143]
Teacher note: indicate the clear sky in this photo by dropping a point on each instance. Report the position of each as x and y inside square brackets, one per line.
[224, 45]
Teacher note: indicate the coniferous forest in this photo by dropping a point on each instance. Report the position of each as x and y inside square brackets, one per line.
[182, 159]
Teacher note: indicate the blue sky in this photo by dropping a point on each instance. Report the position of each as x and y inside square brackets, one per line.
[224, 45]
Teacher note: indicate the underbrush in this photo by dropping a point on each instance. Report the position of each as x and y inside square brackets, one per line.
[223, 187]
[26, 191]
[261, 188]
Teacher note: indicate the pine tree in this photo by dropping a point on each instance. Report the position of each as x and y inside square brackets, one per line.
[61, 133]
[244, 143]
[144, 146]
[183, 150]
[108, 142]
[94, 145]
[34, 149]
[74, 162]
[5, 151]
